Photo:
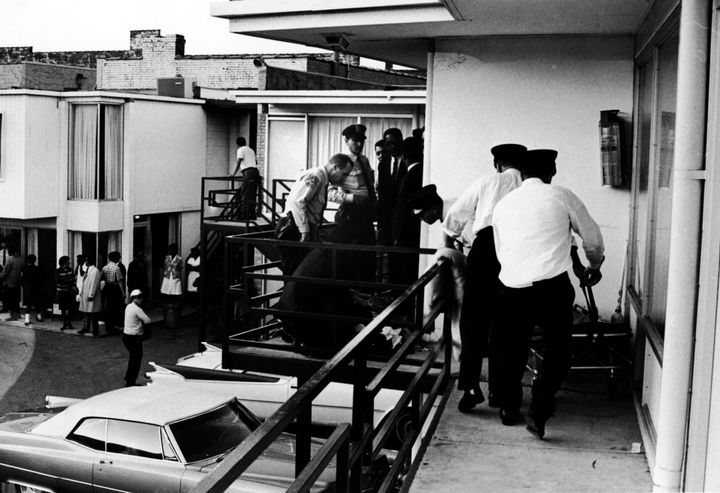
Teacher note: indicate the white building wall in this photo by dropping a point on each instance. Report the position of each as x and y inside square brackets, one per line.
[44, 129]
[12, 155]
[543, 92]
[165, 153]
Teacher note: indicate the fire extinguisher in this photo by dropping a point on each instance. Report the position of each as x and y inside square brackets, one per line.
[611, 133]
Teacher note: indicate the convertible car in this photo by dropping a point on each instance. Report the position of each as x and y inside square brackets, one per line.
[150, 438]
[263, 393]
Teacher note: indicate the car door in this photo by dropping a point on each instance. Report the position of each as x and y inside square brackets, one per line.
[134, 460]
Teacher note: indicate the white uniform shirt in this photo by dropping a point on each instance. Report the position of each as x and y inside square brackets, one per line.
[248, 158]
[135, 317]
[307, 198]
[475, 205]
[532, 227]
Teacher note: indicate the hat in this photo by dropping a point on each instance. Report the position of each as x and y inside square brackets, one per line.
[356, 131]
[424, 198]
[135, 293]
[508, 153]
[541, 159]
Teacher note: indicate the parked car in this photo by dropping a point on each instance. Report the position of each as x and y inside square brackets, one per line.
[264, 393]
[150, 438]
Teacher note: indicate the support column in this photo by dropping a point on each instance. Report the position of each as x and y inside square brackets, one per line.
[685, 239]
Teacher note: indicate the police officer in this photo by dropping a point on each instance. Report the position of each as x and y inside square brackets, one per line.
[473, 211]
[532, 229]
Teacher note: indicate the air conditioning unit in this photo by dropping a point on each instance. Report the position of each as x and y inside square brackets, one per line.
[175, 87]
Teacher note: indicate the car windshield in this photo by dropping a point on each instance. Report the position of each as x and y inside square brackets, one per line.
[213, 433]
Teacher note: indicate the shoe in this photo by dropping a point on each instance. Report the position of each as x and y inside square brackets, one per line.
[493, 401]
[83, 331]
[510, 417]
[535, 425]
[470, 399]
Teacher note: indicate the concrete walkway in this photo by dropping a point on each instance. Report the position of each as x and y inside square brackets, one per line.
[592, 444]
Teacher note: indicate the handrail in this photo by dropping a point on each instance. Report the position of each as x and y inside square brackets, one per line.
[252, 447]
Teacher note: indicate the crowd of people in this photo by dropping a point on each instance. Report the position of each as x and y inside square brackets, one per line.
[113, 294]
[513, 228]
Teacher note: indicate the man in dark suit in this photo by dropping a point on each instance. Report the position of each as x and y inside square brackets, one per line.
[405, 224]
[391, 169]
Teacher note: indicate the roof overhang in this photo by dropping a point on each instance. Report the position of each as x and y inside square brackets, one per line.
[329, 97]
[399, 31]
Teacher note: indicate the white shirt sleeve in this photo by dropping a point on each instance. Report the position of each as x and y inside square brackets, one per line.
[461, 212]
[585, 226]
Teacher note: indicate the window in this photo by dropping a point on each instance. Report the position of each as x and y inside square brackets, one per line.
[130, 438]
[213, 433]
[652, 182]
[91, 433]
[96, 152]
[96, 244]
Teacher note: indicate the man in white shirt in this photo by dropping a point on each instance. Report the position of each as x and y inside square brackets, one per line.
[133, 335]
[532, 227]
[473, 210]
[247, 164]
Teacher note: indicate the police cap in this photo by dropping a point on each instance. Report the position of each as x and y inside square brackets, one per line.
[356, 132]
[542, 160]
[508, 153]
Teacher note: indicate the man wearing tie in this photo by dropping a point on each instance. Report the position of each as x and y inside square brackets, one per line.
[391, 169]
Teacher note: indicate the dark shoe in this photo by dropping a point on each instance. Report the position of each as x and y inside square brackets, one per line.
[535, 425]
[493, 401]
[510, 417]
[470, 399]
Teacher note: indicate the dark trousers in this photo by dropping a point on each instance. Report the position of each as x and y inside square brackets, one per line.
[90, 322]
[12, 299]
[249, 192]
[134, 346]
[547, 304]
[114, 307]
[478, 319]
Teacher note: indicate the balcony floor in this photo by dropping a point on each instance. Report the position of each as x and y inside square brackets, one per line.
[591, 444]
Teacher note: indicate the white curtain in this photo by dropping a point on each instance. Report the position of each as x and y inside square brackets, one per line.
[113, 152]
[31, 241]
[76, 247]
[375, 128]
[114, 241]
[84, 151]
[325, 138]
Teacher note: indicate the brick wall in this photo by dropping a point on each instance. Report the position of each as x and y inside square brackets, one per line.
[17, 54]
[47, 77]
[260, 141]
[275, 78]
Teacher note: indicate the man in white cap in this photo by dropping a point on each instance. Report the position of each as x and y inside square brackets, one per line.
[133, 335]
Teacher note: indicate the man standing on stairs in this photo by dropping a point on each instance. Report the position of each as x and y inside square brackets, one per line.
[247, 164]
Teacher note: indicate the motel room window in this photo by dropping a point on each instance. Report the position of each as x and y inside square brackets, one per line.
[656, 78]
[96, 244]
[96, 143]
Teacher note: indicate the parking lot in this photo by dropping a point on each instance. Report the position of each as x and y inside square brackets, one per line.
[40, 360]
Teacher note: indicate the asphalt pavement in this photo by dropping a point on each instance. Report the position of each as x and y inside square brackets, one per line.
[39, 359]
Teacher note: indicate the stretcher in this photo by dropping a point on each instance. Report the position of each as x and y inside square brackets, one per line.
[596, 346]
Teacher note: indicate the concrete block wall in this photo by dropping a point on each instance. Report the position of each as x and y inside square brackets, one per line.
[46, 77]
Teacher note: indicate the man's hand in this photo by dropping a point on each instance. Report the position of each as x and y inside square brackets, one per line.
[449, 241]
[590, 277]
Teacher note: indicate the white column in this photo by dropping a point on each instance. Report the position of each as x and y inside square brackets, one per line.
[685, 239]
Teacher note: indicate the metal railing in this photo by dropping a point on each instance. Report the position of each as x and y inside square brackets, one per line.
[358, 445]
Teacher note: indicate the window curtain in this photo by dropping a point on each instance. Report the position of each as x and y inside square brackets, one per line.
[31, 241]
[84, 151]
[114, 241]
[113, 152]
[325, 138]
[375, 128]
[76, 245]
[173, 229]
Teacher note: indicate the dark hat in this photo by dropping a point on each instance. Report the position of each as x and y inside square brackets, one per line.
[508, 153]
[356, 131]
[541, 159]
[424, 198]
